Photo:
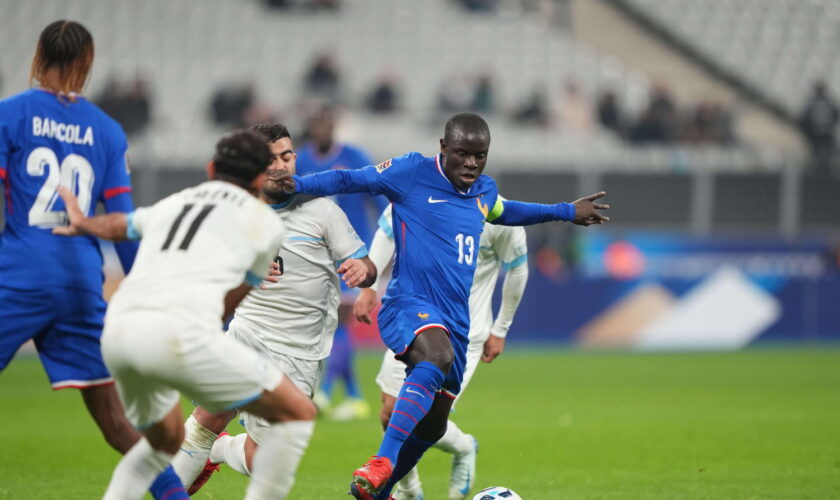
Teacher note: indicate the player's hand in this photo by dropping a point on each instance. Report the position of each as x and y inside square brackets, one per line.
[354, 272]
[492, 348]
[364, 305]
[75, 216]
[285, 180]
[586, 212]
[273, 274]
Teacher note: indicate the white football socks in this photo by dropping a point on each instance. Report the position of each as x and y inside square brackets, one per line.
[136, 471]
[190, 459]
[230, 450]
[277, 458]
[454, 441]
[410, 483]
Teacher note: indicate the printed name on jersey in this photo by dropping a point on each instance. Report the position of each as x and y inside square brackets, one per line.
[383, 166]
[69, 133]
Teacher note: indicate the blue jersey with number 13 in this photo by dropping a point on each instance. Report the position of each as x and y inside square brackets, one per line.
[47, 141]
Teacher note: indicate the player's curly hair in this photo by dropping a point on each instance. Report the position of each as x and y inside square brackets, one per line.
[241, 155]
[68, 47]
[271, 132]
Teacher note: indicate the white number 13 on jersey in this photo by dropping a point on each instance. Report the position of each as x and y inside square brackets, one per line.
[74, 171]
[466, 249]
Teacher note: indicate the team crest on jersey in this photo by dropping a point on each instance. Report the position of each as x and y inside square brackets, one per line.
[482, 207]
[382, 166]
[423, 315]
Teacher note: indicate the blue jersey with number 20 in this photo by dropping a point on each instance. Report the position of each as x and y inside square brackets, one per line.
[47, 141]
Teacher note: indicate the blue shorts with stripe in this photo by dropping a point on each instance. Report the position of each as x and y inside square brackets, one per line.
[401, 319]
[66, 326]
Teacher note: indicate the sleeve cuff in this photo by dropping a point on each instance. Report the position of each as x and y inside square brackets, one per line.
[499, 331]
[566, 211]
[131, 231]
[358, 254]
[252, 279]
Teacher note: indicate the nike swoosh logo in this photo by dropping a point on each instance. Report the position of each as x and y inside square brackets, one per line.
[188, 452]
[432, 200]
[414, 392]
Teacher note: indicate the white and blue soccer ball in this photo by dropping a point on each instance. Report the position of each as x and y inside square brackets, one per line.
[497, 493]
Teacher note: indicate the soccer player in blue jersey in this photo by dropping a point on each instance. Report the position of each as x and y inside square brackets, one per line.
[320, 154]
[51, 287]
[440, 205]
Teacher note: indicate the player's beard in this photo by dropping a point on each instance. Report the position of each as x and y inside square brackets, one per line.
[273, 193]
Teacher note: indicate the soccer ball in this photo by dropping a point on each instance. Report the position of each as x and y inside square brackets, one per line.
[496, 492]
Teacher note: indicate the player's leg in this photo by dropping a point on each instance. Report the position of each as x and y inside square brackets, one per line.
[390, 379]
[72, 356]
[224, 374]
[292, 420]
[147, 458]
[463, 447]
[201, 430]
[238, 451]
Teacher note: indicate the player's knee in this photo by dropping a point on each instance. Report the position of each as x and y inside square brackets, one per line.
[303, 410]
[443, 359]
[214, 422]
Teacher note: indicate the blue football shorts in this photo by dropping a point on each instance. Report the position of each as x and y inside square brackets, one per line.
[401, 319]
[65, 324]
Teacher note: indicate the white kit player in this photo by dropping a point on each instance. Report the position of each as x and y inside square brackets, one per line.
[290, 321]
[201, 251]
[500, 248]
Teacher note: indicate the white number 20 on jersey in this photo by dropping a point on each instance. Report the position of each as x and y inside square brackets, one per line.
[73, 172]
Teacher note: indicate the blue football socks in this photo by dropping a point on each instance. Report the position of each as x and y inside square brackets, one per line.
[413, 402]
[412, 450]
[167, 486]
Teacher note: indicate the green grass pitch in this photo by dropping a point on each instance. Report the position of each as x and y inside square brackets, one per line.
[759, 424]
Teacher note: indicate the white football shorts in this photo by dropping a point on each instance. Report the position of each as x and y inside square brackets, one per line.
[304, 373]
[154, 356]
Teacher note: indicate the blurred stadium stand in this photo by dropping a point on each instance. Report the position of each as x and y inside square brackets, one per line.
[188, 50]
[774, 48]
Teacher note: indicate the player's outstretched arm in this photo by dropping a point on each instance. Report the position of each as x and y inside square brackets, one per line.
[583, 212]
[111, 226]
[327, 183]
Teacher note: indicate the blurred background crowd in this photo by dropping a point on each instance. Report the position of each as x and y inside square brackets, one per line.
[713, 124]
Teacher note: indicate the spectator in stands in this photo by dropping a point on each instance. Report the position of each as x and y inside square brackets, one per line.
[574, 111]
[610, 115]
[483, 100]
[384, 98]
[479, 5]
[128, 103]
[818, 123]
[534, 111]
[710, 123]
[323, 79]
[231, 103]
[455, 94]
[658, 123]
